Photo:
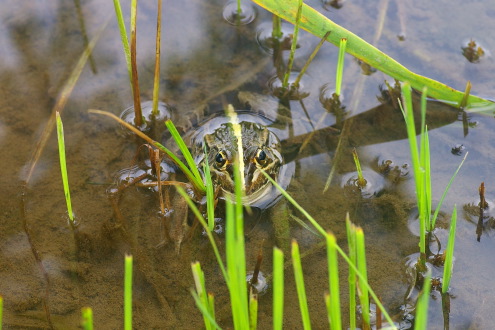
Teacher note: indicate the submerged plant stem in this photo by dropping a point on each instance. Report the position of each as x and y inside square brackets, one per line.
[138, 114]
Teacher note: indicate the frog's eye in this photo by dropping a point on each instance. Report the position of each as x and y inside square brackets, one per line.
[220, 160]
[260, 157]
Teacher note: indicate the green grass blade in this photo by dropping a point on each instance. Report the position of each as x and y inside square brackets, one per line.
[340, 66]
[361, 180]
[351, 242]
[203, 223]
[203, 309]
[123, 37]
[183, 148]
[318, 24]
[63, 166]
[437, 210]
[128, 293]
[198, 183]
[199, 281]
[253, 312]
[448, 266]
[333, 279]
[1, 313]
[278, 289]
[156, 80]
[363, 281]
[301, 292]
[210, 198]
[87, 318]
[293, 46]
[421, 319]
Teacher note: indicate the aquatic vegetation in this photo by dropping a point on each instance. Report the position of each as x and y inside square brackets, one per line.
[63, 167]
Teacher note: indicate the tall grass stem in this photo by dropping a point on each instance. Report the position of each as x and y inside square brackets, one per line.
[87, 318]
[293, 46]
[333, 281]
[128, 293]
[340, 65]
[63, 166]
[301, 292]
[421, 319]
[156, 82]
[138, 114]
[449, 256]
[278, 289]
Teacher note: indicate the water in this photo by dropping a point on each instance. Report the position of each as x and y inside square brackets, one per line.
[206, 61]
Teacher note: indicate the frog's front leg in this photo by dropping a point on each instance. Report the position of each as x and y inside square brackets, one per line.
[280, 220]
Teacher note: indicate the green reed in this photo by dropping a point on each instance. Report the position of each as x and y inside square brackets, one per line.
[340, 64]
[351, 243]
[277, 27]
[87, 318]
[421, 318]
[63, 166]
[278, 289]
[285, 82]
[128, 292]
[123, 37]
[449, 256]
[299, 279]
[361, 181]
[333, 305]
[1, 312]
[310, 59]
[204, 299]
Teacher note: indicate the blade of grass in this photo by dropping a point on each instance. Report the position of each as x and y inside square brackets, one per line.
[210, 198]
[293, 46]
[87, 318]
[63, 166]
[301, 292]
[253, 311]
[317, 24]
[278, 289]
[361, 180]
[310, 59]
[351, 243]
[421, 319]
[448, 265]
[199, 281]
[183, 148]
[437, 210]
[123, 37]
[341, 252]
[1, 312]
[333, 281]
[197, 182]
[128, 293]
[363, 281]
[203, 309]
[340, 65]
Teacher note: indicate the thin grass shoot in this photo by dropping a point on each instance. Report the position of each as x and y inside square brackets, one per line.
[123, 37]
[449, 255]
[199, 281]
[421, 319]
[63, 166]
[278, 289]
[333, 282]
[361, 181]
[301, 291]
[128, 292]
[138, 114]
[310, 59]
[363, 280]
[87, 318]
[351, 243]
[277, 27]
[285, 82]
[340, 65]
[253, 311]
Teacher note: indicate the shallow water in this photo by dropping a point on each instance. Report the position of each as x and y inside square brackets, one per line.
[207, 62]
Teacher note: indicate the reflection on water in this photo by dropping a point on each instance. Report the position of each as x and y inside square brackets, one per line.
[207, 63]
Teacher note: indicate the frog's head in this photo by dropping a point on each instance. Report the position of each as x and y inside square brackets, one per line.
[261, 151]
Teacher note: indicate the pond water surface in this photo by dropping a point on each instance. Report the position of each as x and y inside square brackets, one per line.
[207, 63]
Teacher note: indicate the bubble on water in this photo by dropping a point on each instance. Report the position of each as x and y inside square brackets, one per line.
[242, 15]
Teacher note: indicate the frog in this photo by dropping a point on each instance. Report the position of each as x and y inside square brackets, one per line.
[214, 143]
